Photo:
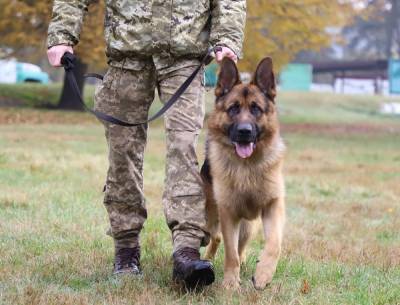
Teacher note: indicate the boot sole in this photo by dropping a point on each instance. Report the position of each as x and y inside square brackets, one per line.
[198, 278]
[130, 271]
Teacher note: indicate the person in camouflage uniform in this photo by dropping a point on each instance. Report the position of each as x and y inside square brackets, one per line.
[154, 44]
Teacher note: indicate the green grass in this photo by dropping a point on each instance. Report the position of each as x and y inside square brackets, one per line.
[332, 108]
[295, 108]
[342, 237]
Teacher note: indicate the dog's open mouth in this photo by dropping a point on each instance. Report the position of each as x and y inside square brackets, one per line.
[244, 150]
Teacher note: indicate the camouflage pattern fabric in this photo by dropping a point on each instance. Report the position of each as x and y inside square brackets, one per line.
[136, 29]
[128, 94]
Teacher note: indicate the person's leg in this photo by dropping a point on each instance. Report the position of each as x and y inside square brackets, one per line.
[184, 198]
[127, 95]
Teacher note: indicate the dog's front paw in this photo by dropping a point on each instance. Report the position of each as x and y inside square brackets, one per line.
[243, 258]
[261, 279]
[231, 283]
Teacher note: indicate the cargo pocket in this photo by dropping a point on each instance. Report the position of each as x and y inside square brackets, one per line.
[186, 184]
[109, 78]
[106, 93]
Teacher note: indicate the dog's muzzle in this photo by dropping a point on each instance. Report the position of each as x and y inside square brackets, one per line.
[244, 138]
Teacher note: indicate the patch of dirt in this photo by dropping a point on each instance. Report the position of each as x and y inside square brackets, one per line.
[340, 129]
[22, 115]
[10, 102]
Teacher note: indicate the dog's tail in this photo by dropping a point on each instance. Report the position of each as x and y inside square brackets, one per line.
[205, 171]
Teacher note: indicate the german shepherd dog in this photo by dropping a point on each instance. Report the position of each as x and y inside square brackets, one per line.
[242, 172]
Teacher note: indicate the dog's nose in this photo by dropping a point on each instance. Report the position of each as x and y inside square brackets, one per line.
[245, 129]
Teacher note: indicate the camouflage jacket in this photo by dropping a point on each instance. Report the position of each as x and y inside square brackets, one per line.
[135, 28]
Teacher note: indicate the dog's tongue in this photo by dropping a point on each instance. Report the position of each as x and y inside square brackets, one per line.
[244, 150]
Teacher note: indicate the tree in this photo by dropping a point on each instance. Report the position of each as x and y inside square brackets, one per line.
[375, 32]
[279, 28]
[23, 32]
[282, 28]
[23, 25]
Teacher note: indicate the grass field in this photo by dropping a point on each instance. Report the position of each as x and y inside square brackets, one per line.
[342, 238]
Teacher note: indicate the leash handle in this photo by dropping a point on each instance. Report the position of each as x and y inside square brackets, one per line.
[211, 54]
[68, 61]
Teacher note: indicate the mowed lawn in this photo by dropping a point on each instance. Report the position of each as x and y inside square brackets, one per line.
[342, 237]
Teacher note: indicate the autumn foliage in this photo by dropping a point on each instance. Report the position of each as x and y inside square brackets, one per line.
[279, 28]
[23, 28]
[282, 28]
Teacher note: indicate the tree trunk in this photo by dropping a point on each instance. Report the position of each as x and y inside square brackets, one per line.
[68, 99]
[392, 30]
[396, 30]
[389, 26]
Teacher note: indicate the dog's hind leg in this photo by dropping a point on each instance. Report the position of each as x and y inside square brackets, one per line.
[213, 226]
[245, 233]
[214, 229]
[213, 246]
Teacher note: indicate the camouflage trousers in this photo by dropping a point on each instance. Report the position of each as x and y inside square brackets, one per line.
[128, 94]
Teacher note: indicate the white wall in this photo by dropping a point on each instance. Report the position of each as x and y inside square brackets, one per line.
[353, 86]
[8, 71]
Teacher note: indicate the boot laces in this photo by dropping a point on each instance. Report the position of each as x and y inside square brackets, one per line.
[187, 254]
[128, 257]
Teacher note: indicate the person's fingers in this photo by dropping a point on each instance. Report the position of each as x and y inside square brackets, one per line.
[219, 56]
[222, 54]
[54, 59]
[50, 57]
[225, 52]
[55, 54]
[233, 57]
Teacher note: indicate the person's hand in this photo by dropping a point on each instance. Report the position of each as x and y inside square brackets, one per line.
[55, 53]
[225, 52]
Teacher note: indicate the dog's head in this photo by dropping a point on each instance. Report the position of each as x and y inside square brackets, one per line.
[245, 114]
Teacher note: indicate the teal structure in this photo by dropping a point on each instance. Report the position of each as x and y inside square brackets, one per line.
[210, 75]
[296, 77]
[394, 76]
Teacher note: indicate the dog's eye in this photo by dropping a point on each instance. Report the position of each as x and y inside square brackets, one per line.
[255, 109]
[234, 110]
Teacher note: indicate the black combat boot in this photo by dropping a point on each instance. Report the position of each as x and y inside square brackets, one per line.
[191, 270]
[127, 261]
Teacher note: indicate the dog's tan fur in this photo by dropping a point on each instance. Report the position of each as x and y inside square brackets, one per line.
[244, 190]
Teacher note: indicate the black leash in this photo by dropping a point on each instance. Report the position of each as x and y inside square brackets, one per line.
[68, 62]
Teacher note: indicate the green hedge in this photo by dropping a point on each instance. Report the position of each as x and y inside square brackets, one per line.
[37, 95]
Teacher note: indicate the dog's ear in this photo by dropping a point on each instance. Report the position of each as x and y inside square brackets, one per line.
[264, 78]
[228, 77]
